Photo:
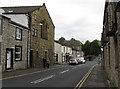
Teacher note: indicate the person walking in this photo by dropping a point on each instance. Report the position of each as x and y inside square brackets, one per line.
[48, 62]
[44, 62]
[99, 60]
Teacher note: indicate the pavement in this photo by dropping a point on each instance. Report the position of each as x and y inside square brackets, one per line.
[96, 79]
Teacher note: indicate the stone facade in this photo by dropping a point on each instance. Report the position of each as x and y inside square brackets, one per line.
[10, 42]
[74, 53]
[38, 20]
[42, 45]
[111, 42]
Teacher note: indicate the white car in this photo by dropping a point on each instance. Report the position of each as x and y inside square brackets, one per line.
[82, 60]
[73, 61]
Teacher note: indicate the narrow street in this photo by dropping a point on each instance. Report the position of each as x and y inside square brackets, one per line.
[67, 76]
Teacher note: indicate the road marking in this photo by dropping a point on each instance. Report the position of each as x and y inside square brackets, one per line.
[64, 71]
[74, 67]
[43, 79]
[29, 73]
[84, 78]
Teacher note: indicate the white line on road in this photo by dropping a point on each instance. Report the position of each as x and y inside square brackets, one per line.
[74, 67]
[64, 71]
[43, 79]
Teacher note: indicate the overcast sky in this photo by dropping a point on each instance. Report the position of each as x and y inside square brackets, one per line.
[79, 19]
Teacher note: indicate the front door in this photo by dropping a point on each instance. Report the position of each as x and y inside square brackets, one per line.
[57, 58]
[9, 58]
[31, 58]
[46, 55]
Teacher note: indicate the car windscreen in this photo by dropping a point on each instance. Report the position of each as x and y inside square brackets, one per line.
[72, 60]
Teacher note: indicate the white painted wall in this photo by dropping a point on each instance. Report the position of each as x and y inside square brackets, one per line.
[1, 11]
[58, 50]
[63, 53]
[69, 50]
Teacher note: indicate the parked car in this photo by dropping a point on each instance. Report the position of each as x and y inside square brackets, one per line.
[73, 61]
[82, 60]
[78, 60]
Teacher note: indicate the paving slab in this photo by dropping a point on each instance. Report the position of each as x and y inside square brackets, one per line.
[96, 78]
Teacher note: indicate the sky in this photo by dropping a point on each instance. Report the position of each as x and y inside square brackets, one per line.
[79, 19]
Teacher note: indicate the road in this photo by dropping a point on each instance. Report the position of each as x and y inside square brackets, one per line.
[66, 76]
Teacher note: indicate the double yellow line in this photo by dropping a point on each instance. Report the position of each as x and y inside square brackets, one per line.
[29, 73]
[79, 85]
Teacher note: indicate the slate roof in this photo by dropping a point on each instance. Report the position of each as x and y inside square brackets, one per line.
[13, 22]
[19, 9]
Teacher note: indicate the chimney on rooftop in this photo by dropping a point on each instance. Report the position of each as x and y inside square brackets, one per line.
[43, 4]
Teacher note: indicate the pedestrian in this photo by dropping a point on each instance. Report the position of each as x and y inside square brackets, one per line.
[99, 60]
[48, 62]
[44, 62]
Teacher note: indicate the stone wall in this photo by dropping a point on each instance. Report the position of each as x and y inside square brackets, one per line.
[111, 50]
[9, 41]
[39, 44]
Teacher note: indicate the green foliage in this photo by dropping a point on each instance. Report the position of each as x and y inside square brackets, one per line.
[72, 39]
[62, 38]
[91, 48]
[85, 47]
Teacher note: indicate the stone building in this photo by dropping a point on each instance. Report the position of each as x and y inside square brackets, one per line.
[13, 45]
[75, 46]
[38, 20]
[111, 41]
[58, 52]
[74, 53]
[63, 53]
[42, 36]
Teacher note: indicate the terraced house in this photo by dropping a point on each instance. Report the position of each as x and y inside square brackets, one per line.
[14, 44]
[111, 41]
[38, 20]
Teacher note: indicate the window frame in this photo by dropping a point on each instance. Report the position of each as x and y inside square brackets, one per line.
[0, 26]
[36, 32]
[33, 31]
[16, 34]
[35, 17]
[16, 46]
[44, 30]
[41, 31]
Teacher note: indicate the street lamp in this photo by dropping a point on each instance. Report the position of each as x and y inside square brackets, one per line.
[40, 24]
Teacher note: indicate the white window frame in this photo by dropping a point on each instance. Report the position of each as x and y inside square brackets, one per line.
[18, 53]
[36, 32]
[18, 34]
[35, 17]
[33, 32]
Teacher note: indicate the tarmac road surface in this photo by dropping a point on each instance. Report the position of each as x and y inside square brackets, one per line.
[65, 76]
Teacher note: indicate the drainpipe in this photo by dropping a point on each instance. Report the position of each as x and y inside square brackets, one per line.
[28, 41]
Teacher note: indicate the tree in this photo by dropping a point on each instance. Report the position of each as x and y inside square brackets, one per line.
[62, 39]
[72, 39]
[91, 48]
[86, 47]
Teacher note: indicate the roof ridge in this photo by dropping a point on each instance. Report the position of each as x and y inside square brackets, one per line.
[22, 6]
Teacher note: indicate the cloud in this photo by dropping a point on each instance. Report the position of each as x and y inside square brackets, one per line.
[79, 19]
